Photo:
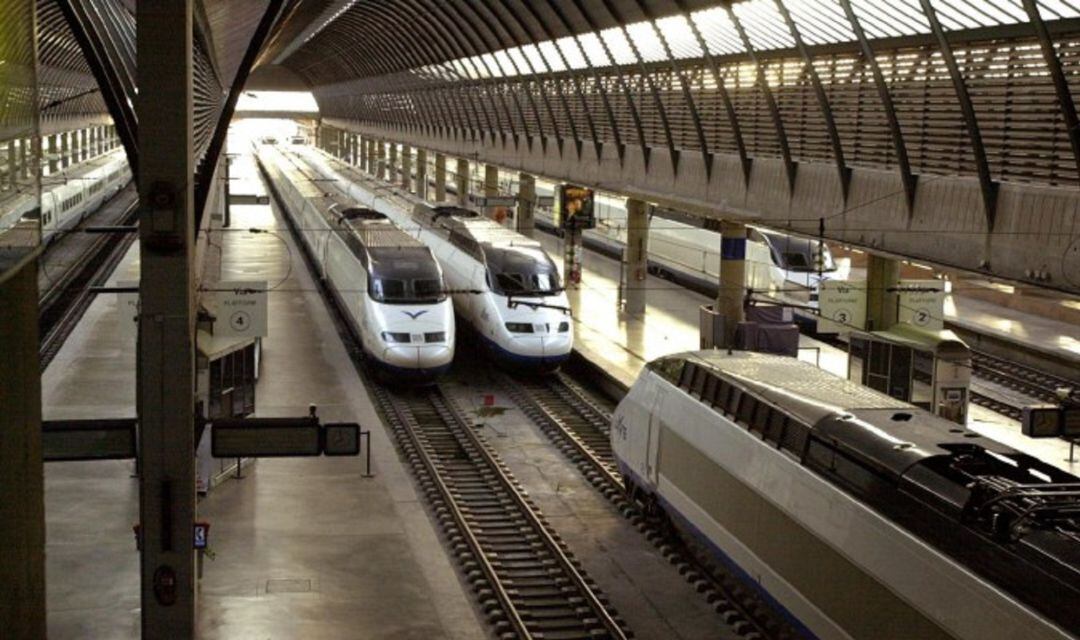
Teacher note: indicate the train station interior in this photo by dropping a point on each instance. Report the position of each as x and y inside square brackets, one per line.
[539, 319]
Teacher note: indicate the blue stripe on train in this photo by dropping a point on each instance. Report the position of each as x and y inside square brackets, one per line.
[516, 360]
[685, 525]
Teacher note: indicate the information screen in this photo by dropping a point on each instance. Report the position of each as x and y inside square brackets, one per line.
[574, 207]
[264, 438]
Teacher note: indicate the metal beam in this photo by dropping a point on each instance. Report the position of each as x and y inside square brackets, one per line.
[205, 172]
[770, 100]
[104, 52]
[684, 83]
[620, 148]
[971, 120]
[620, 78]
[842, 170]
[907, 178]
[1057, 74]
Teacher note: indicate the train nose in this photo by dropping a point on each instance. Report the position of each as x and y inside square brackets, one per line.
[418, 357]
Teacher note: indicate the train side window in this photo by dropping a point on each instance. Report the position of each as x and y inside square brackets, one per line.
[760, 421]
[733, 401]
[698, 385]
[795, 438]
[708, 396]
[774, 430]
[746, 409]
[723, 395]
[687, 375]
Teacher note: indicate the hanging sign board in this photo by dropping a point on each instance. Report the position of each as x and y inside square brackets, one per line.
[842, 305]
[922, 303]
[240, 309]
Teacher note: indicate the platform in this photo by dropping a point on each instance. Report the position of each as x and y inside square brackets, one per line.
[621, 345]
[304, 548]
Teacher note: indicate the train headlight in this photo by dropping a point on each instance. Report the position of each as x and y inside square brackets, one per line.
[564, 327]
[435, 336]
[519, 327]
[392, 337]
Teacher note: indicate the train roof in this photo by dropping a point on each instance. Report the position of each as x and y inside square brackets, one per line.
[483, 230]
[890, 434]
[797, 384]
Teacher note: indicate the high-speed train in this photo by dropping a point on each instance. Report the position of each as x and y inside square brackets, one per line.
[506, 288]
[69, 196]
[777, 264]
[857, 515]
[388, 282]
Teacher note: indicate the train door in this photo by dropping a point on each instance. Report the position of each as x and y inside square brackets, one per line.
[652, 447]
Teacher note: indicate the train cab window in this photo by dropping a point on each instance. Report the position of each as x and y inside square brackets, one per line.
[404, 275]
[669, 368]
[521, 271]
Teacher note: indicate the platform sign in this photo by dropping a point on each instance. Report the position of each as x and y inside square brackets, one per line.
[842, 305]
[127, 307]
[240, 308]
[922, 303]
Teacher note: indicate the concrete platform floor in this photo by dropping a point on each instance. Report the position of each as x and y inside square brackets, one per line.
[303, 548]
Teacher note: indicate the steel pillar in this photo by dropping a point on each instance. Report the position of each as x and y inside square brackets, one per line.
[54, 153]
[22, 491]
[406, 167]
[421, 174]
[491, 186]
[381, 170]
[392, 166]
[65, 150]
[637, 254]
[166, 347]
[12, 175]
[882, 300]
[461, 182]
[440, 177]
[24, 150]
[524, 220]
[732, 295]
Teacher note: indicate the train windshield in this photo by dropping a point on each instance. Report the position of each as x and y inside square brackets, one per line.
[521, 271]
[404, 275]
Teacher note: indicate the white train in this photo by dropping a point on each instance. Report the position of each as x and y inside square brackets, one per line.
[858, 515]
[389, 284]
[777, 264]
[69, 196]
[506, 288]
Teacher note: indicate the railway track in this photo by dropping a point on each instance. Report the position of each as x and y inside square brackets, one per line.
[579, 427]
[527, 582]
[529, 585]
[64, 303]
[1026, 380]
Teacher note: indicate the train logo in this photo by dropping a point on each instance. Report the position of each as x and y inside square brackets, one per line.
[415, 314]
